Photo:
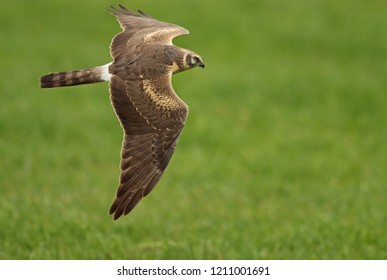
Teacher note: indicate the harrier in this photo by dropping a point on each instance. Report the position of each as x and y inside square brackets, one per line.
[151, 114]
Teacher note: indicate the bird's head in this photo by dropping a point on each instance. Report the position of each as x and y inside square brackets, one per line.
[193, 60]
[187, 60]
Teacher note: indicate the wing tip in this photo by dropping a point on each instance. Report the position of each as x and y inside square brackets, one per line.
[116, 214]
[122, 10]
[121, 207]
[144, 14]
[113, 210]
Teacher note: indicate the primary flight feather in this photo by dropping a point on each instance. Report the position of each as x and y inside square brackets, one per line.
[151, 114]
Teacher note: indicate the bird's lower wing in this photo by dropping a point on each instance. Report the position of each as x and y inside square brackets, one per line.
[152, 117]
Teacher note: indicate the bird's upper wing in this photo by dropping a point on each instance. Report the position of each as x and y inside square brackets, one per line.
[152, 117]
[139, 28]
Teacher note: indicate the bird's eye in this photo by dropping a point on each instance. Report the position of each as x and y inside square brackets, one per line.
[194, 60]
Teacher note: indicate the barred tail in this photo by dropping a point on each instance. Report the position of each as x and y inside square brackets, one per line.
[76, 77]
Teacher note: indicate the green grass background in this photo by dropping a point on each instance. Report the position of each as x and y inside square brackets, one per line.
[284, 154]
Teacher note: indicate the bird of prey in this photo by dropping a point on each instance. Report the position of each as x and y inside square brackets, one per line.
[151, 114]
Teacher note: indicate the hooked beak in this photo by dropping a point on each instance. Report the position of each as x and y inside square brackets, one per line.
[201, 64]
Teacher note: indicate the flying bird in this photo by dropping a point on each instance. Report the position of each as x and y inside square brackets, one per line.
[151, 114]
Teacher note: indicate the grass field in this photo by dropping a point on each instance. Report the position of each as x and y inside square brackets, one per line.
[284, 154]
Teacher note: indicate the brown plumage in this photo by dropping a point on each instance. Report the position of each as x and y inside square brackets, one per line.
[151, 114]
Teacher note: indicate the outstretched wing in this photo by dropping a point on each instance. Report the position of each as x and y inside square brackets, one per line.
[152, 117]
[139, 28]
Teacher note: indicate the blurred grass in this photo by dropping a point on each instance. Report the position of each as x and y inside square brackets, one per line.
[283, 155]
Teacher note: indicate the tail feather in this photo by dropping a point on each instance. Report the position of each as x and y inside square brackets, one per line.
[76, 77]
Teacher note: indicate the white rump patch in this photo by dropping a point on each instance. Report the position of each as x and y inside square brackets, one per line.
[105, 75]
